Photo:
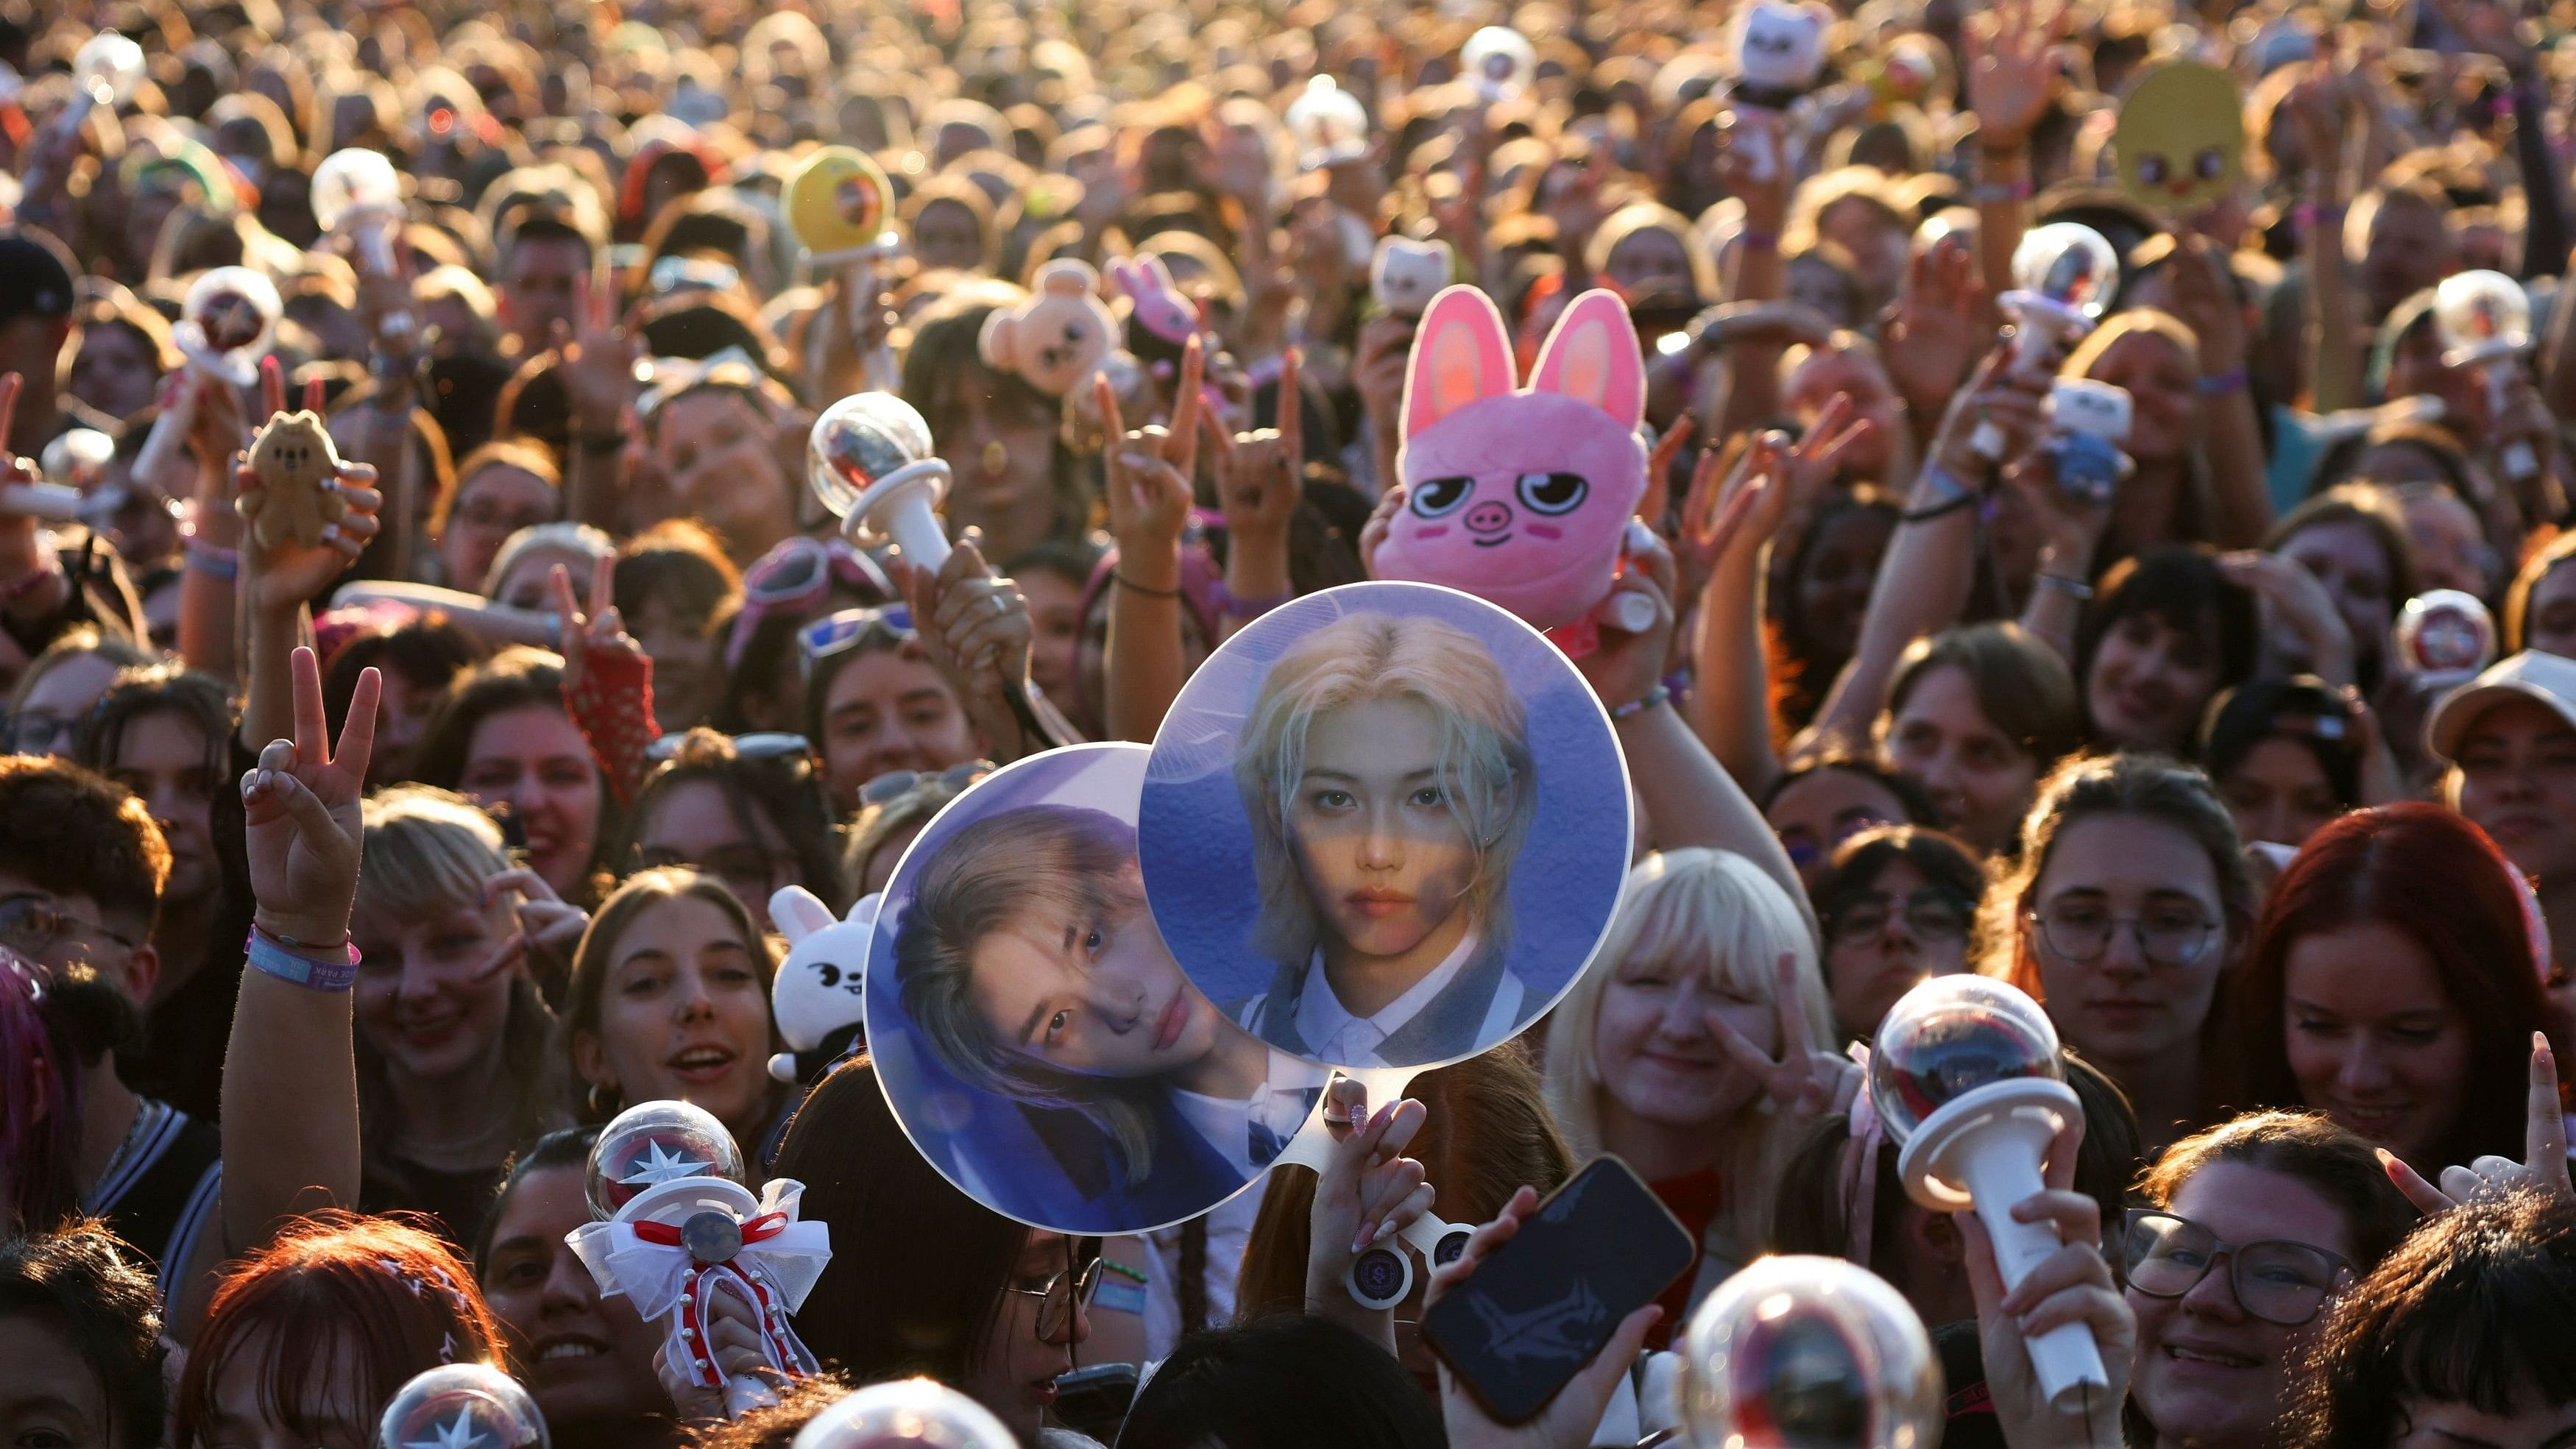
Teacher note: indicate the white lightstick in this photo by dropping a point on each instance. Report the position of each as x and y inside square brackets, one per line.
[104, 73]
[868, 459]
[225, 324]
[2485, 322]
[1966, 1074]
[1499, 62]
[1330, 124]
[1809, 1351]
[357, 189]
[2064, 275]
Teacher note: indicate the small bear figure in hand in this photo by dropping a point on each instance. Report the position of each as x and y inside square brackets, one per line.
[296, 463]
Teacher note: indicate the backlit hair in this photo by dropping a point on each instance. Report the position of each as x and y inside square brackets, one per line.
[1699, 910]
[601, 942]
[1486, 770]
[426, 851]
[337, 1305]
[1041, 863]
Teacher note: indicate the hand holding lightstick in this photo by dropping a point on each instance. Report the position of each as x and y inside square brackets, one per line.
[1808, 1350]
[868, 459]
[2064, 275]
[2485, 322]
[357, 189]
[104, 73]
[225, 324]
[1966, 1075]
[675, 1226]
[836, 205]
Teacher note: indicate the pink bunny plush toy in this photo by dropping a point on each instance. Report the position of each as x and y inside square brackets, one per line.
[1521, 497]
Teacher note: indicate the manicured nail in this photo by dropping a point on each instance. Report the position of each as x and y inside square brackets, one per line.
[1367, 1235]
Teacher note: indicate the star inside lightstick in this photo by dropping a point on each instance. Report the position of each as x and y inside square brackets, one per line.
[658, 1167]
[457, 1433]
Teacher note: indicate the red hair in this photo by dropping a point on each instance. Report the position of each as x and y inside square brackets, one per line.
[2431, 874]
[370, 1299]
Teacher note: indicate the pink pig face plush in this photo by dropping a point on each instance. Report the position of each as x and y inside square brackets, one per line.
[1519, 497]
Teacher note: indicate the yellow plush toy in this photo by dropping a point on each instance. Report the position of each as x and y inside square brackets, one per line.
[2181, 138]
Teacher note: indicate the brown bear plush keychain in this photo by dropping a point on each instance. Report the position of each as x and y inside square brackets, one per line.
[295, 461]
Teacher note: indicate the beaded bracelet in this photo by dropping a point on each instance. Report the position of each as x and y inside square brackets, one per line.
[1635, 707]
[213, 560]
[289, 961]
[1766, 240]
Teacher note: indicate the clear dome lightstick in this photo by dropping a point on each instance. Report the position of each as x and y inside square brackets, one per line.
[357, 189]
[674, 1226]
[104, 73]
[2485, 322]
[1499, 62]
[1966, 1075]
[905, 1414]
[1808, 1353]
[2064, 275]
[462, 1406]
[225, 323]
[869, 460]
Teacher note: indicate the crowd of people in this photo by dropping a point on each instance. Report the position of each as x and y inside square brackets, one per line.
[353, 874]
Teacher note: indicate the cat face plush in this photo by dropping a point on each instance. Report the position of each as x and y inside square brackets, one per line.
[1405, 274]
[1781, 48]
[1519, 497]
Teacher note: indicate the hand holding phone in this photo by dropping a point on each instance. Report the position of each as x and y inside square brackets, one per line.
[1537, 1320]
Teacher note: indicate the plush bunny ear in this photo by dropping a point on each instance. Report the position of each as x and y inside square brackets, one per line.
[1592, 356]
[1129, 279]
[799, 912]
[1461, 354]
[1158, 276]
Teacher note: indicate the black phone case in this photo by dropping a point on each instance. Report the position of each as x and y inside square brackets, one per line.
[1544, 1303]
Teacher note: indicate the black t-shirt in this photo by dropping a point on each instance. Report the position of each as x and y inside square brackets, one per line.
[458, 1199]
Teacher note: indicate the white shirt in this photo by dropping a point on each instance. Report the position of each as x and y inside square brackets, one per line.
[1280, 1103]
[1334, 1035]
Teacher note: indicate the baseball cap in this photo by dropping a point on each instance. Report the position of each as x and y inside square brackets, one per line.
[33, 280]
[2542, 678]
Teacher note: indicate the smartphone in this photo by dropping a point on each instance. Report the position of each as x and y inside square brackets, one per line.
[1542, 1305]
[1094, 1400]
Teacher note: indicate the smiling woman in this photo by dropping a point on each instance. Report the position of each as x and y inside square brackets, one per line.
[670, 999]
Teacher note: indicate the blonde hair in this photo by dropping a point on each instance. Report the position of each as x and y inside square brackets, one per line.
[426, 851]
[1485, 761]
[1711, 910]
[1041, 861]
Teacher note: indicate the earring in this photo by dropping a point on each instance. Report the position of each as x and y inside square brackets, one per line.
[995, 459]
[599, 1109]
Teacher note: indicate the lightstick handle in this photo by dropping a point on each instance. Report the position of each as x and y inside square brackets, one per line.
[2065, 1359]
[2519, 462]
[375, 247]
[915, 530]
[169, 429]
[744, 1393]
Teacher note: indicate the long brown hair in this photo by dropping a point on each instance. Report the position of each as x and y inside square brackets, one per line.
[598, 950]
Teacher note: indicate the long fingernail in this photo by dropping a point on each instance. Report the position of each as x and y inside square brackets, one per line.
[1367, 1235]
[1387, 1229]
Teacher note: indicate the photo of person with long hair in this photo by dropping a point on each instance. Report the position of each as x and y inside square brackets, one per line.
[1025, 965]
[1387, 771]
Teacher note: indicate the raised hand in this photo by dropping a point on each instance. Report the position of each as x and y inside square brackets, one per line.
[975, 625]
[1938, 326]
[2295, 601]
[2071, 1285]
[1804, 1081]
[549, 929]
[21, 553]
[287, 573]
[2204, 296]
[300, 813]
[2001, 394]
[1369, 1190]
[2544, 1165]
[587, 634]
[1625, 668]
[1569, 1419]
[599, 365]
[1150, 469]
[1259, 483]
[2011, 71]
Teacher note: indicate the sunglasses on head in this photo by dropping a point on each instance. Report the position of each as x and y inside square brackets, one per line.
[839, 633]
[761, 745]
[894, 784]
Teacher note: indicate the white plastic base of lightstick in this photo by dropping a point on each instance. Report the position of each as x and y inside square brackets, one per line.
[39, 500]
[1633, 613]
[900, 506]
[1312, 1148]
[1983, 1150]
[170, 428]
[744, 1393]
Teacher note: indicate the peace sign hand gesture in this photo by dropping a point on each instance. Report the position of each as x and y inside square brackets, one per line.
[1804, 1082]
[599, 370]
[300, 813]
[598, 632]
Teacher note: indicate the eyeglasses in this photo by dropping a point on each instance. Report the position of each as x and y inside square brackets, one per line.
[2166, 938]
[1934, 913]
[2274, 1279]
[32, 926]
[1066, 1291]
[895, 784]
[838, 633]
[759, 745]
[39, 734]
